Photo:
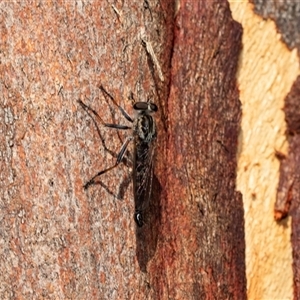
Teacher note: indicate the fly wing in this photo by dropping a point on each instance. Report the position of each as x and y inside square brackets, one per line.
[142, 177]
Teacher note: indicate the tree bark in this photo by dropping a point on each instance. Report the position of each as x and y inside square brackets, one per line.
[60, 241]
[288, 194]
[286, 18]
[203, 237]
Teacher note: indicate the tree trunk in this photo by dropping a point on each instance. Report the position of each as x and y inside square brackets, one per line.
[60, 241]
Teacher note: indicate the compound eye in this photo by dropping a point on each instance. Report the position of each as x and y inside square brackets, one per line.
[153, 107]
[140, 106]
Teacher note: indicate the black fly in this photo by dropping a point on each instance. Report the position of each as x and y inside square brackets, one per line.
[143, 134]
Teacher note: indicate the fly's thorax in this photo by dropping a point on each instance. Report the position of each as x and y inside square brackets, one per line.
[144, 128]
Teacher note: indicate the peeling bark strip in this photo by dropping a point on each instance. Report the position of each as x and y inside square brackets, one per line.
[285, 187]
[288, 167]
[294, 156]
[288, 194]
[201, 252]
[286, 16]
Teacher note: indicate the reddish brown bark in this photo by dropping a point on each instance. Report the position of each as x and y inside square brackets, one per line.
[288, 195]
[202, 237]
[61, 242]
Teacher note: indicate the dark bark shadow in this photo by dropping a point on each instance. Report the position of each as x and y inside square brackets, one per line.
[122, 187]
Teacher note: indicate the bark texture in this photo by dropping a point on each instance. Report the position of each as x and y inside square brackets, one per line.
[286, 16]
[61, 242]
[202, 243]
[288, 197]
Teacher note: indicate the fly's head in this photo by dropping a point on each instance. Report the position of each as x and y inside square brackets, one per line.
[144, 125]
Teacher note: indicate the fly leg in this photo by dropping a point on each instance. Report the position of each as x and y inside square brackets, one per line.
[122, 152]
[89, 110]
[119, 158]
[122, 110]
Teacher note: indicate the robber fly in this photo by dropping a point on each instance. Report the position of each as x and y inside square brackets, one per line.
[143, 135]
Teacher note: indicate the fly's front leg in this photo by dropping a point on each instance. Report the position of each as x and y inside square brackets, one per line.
[119, 159]
[122, 110]
[116, 126]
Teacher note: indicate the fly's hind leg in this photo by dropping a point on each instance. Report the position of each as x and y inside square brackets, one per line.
[119, 159]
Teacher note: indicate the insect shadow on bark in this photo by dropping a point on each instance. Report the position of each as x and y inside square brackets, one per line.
[125, 160]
